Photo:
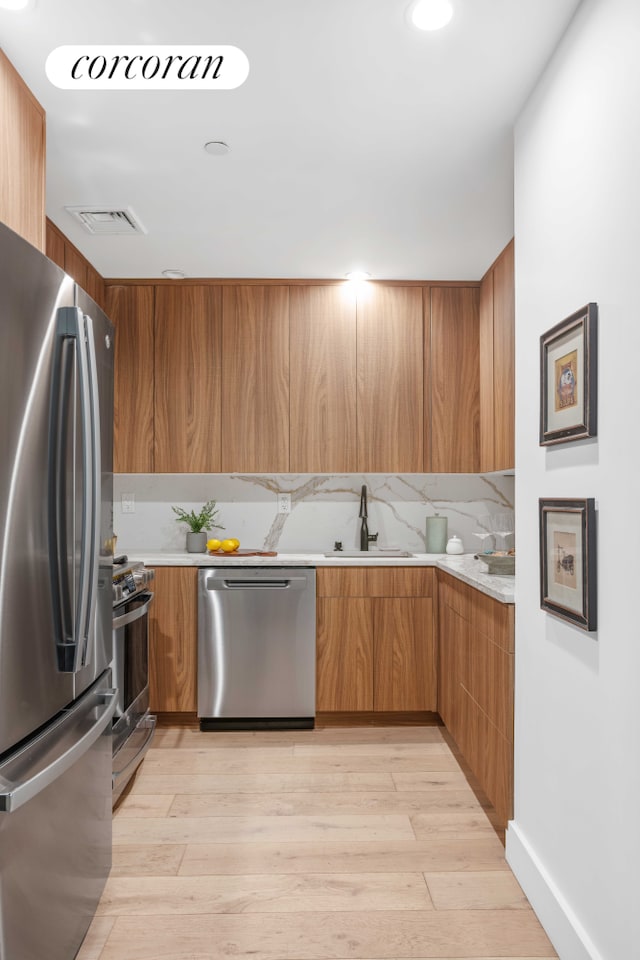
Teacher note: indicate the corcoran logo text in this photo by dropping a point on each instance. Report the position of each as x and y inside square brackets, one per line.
[147, 67]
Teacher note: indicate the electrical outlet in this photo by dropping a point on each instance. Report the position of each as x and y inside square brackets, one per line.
[284, 503]
[128, 502]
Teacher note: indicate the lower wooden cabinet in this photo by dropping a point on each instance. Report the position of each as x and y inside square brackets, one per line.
[173, 641]
[476, 670]
[375, 640]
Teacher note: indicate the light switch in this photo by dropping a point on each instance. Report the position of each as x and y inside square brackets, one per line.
[128, 502]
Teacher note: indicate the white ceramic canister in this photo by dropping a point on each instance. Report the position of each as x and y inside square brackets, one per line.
[454, 545]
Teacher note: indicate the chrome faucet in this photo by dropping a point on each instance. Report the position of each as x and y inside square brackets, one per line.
[365, 537]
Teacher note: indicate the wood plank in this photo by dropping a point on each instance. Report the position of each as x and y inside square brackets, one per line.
[393, 933]
[323, 379]
[390, 380]
[131, 310]
[455, 378]
[173, 654]
[504, 359]
[147, 859]
[476, 891]
[405, 676]
[202, 762]
[188, 382]
[255, 379]
[344, 654]
[248, 829]
[487, 426]
[268, 783]
[289, 893]
[482, 852]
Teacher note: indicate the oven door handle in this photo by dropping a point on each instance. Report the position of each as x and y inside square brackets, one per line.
[126, 618]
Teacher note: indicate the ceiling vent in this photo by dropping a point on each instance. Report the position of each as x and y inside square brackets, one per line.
[103, 222]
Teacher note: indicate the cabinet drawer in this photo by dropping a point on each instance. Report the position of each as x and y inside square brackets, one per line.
[374, 582]
[455, 594]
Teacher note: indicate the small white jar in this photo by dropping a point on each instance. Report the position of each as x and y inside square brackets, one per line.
[454, 545]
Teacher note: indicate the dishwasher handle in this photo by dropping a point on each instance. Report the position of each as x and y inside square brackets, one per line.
[269, 584]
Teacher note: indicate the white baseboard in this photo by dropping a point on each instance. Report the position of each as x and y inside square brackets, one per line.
[561, 925]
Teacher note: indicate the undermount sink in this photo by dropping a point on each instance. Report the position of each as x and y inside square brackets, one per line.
[370, 554]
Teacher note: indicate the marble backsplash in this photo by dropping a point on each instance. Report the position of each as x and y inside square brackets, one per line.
[324, 508]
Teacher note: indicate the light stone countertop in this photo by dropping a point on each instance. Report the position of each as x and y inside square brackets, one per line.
[464, 567]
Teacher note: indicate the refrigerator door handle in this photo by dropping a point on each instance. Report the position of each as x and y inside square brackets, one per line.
[91, 534]
[19, 783]
[73, 606]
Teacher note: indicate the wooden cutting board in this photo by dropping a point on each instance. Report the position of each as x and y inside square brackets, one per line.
[243, 553]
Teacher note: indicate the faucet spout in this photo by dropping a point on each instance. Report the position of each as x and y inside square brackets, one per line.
[365, 537]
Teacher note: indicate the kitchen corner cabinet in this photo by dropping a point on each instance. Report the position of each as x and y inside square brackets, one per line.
[455, 380]
[187, 378]
[375, 640]
[476, 681]
[173, 638]
[255, 379]
[131, 310]
[497, 364]
[22, 157]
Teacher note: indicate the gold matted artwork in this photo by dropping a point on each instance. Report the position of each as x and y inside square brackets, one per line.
[568, 370]
[568, 560]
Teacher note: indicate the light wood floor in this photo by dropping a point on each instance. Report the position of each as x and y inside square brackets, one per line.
[333, 843]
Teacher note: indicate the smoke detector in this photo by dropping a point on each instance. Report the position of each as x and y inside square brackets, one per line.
[101, 221]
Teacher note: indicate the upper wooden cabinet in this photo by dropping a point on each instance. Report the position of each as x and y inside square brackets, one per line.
[390, 384]
[131, 310]
[22, 157]
[255, 379]
[455, 380]
[62, 251]
[497, 364]
[188, 379]
[323, 379]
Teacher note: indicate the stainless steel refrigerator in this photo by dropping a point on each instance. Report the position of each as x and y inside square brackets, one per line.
[56, 701]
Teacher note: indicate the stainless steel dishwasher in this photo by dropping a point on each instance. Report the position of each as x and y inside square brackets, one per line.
[256, 647]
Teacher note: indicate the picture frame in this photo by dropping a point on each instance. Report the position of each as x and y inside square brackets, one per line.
[568, 378]
[568, 560]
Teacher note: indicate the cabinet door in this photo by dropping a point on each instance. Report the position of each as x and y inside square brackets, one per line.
[323, 379]
[22, 157]
[455, 400]
[504, 359]
[390, 398]
[188, 380]
[131, 310]
[255, 379]
[487, 426]
[54, 244]
[173, 653]
[344, 651]
[404, 654]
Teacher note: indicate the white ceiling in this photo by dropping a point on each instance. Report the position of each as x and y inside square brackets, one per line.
[356, 141]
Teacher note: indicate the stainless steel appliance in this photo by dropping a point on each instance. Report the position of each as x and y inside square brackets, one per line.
[56, 695]
[256, 647]
[133, 725]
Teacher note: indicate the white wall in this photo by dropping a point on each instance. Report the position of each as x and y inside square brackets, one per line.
[575, 839]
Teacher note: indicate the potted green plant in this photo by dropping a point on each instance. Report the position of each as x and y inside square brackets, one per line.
[199, 524]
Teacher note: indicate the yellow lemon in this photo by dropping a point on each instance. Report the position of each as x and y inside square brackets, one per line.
[235, 541]
[213, 544]
[228, 546]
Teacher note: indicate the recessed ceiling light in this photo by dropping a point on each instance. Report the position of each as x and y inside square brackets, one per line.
[14, 4]
[217, 148]
[174, 274]
[358, 275]
[431, 14]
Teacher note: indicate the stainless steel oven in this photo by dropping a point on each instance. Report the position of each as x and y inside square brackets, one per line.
[133, 725]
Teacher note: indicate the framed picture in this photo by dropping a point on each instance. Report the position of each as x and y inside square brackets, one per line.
[568, 378]
[568, 560]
